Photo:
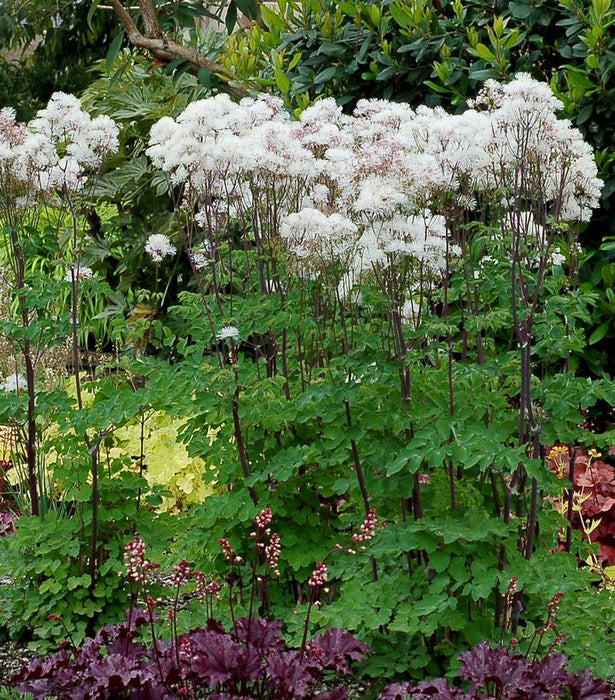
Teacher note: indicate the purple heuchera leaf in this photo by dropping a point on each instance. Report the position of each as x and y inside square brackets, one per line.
[287, 672]
[549, 674]
[583, 686]
[216, 658]
[138, 617]
[396, 691]
[334, 649]
[167, 663]
[114, 673]
[119, 639]
[153, 690]
[43, 677]
[441, 690]
[264, 635]
[483, 665]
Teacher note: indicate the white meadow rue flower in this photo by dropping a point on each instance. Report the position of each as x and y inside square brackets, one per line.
[228, 333]
[81, 273]
[379, 195]
[199, 259]
[557, 258]
[14, 382]
[63, 142]
[158, 246]
[317, 239]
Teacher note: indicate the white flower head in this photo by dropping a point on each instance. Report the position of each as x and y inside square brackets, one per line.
[228, 333]
[158, 246]
[8, 114]
[557, 258]
[198, 259]
[14, 382]
[63, 143]
[80, 273]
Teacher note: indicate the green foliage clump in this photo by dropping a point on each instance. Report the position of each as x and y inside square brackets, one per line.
[53, 46]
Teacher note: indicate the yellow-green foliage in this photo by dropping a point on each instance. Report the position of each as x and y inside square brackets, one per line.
[188, 480]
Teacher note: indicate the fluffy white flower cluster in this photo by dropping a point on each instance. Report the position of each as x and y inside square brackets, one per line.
[382, 184]
[525, 136]
[57, 149]
[214, 142]
[12, 136]
[318, 240]
[158, 246]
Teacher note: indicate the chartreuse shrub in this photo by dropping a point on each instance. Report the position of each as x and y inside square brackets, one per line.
[166, 463]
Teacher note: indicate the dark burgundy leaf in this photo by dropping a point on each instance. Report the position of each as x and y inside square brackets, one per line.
[396, 691]
[441, 690]
[219, 659]
[153, 690]
[41, 688]
[137, 617]
[114, 674]
[215, 626]
[583, 686]
[263, 635]
[288, 673]
[335, 648]
[549, 674]
[484, 665]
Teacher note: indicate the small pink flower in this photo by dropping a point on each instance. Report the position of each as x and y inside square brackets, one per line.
[181, 572]
[228, 552]
[203, 588]
[272, 553]
[368, 528]
[138, 568]
[319, 576]
[264, 518]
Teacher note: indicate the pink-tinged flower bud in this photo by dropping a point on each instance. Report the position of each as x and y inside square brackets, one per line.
[368, 528]
[228, 552]
[181, 572]
[264, 518]
[137, 567]
[319, 576]
[272, 553]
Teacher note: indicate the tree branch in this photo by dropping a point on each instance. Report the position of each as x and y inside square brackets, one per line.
[150, 20]
[165, 49]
